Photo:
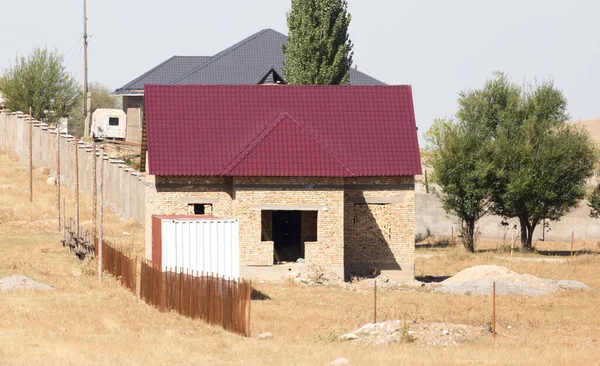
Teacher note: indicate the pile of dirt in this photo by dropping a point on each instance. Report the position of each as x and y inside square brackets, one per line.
[435, 334]
[479, 280]
[20, 282]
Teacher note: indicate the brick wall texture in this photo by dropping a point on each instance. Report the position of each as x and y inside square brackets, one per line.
[350, 229]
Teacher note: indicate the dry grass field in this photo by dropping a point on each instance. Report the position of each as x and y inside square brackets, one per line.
[86, 322]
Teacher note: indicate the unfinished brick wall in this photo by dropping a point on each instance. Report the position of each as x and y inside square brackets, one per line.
[253, 192]
[266, 225]
[379, 222]
[174, 195]
[352, 226]
[309, 225]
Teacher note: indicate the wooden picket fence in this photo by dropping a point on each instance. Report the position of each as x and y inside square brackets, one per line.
[118, 264]
[217, 301]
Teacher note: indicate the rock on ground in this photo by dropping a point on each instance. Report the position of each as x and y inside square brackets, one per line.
[340, 361]
[479, 280]
[265, 335]
[18, 282]
[438, 334]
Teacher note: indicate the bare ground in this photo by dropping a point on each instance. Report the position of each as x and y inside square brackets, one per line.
[86, 322]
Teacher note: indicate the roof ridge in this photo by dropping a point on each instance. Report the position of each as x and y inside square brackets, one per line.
[266, 132]
[252, 144]
[322, 145]
[145, 74]
[217, 56]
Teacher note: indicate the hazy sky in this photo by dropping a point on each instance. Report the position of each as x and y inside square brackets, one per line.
[439, 47]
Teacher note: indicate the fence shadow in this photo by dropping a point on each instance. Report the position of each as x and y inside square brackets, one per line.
[259, 295]
[431, 279]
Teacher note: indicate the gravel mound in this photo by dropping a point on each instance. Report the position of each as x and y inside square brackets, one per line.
[479, 280]
[20, 282]
[437, 334]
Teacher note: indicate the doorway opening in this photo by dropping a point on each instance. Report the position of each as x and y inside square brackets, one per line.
[287, 236]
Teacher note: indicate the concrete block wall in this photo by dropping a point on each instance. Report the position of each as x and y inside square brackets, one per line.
[124, 188]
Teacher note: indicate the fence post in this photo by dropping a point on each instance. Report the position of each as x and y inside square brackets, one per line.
[94, 188]
[249, 294]
[572, 240]
[58, 173]
[30, 155]
[494, 309]
[452, 241]
[100, 213]
[76, 185]
[375, 302]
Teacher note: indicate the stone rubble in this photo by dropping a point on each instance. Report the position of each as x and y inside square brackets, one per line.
[20, 282]
[435, 334]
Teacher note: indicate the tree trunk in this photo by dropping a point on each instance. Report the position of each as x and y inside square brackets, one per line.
[468, 235]
[527, 230]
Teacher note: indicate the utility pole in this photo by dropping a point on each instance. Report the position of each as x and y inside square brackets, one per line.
[86, 92]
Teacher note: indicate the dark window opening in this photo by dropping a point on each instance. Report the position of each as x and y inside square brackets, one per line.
[113, 121]
[199, 209]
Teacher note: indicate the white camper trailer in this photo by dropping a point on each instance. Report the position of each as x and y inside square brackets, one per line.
[109, 124]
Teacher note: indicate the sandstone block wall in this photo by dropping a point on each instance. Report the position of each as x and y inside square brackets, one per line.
[379, 222]
[353, 221]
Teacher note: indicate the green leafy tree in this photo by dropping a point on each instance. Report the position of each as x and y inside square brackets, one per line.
[319, 50]
[461, 152]
[594, 202]
[516, 154]
[541, 164]
[41, 81]
[461, 164]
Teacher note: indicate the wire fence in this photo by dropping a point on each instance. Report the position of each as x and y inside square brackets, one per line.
[528, 302]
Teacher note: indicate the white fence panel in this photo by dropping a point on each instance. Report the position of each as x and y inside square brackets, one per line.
[201, 245]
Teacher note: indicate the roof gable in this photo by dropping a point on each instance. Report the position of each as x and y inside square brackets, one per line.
[254, 130]
[289, 147]
[246, 62]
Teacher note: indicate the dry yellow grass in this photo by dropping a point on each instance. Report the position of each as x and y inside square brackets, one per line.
[85, 322]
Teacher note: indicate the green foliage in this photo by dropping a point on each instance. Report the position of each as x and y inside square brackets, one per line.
[513, 150]
[541, 164]
[461, 162]
[101, 97]
[594, 202]
[40, 81]
[319, 50]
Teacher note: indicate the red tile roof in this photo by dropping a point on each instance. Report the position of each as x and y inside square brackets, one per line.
[284, 130]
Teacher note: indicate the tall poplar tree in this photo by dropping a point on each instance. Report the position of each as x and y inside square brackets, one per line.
[319, 50]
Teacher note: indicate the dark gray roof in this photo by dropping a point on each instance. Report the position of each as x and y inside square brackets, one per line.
[246, 62]
[164, 73]
[254, 60]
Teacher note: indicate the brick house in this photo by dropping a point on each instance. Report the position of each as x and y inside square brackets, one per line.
[323, 173]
